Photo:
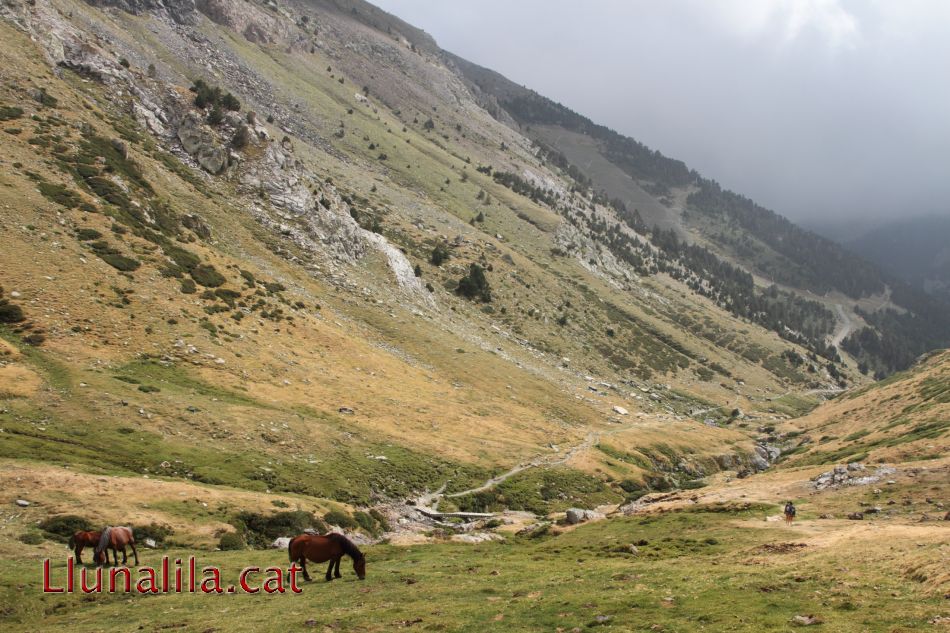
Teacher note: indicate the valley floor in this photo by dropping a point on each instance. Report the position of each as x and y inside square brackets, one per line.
[718, 559]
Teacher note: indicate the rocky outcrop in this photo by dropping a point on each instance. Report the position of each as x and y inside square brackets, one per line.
[854, 474]
[309, 212]
[62, 43]
[181, 11]
[198, 141]
[576, 515]
[245, 18]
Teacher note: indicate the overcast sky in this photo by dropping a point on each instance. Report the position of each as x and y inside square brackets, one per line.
[816, 108]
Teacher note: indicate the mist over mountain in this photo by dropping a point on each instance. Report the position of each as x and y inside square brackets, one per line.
[916, 250]
[817, 110]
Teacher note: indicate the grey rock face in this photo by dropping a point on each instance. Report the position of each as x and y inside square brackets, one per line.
[181, 11]
[199, 142]
[577, 515]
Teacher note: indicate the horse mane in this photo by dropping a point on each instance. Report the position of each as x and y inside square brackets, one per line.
[348, 546]
[103, 540]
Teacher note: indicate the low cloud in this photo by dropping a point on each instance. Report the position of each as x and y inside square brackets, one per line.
[830, 109]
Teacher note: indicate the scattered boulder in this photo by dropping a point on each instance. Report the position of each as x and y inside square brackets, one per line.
[806, 620]
[346, 410]
[620, 411]
[578, 515]
[150, 543]
[856, 516]
[282, 542]
[850, 475]
[23, 503]
[477, 537]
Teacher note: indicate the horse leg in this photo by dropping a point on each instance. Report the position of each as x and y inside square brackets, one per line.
[78, 552]
[329, 570]
[303, 566]
[336, 568]
[115, 556]
[134, 553]
[125, 557]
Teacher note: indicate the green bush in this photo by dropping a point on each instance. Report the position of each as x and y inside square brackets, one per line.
[8, 113]
[474, 285]
[439, 255]
[380, 519]
[261, 529]
[207, 276]
[366, 522]
[340, 518]
[61, 527]
[60, 194]
[231, 541]
[88, 234]
[46, 99]
[32, 538]
[120, 262]
[183, 258]
[154, 531]
[188, 287]
[216, 115]
[241, 138]
[10, 313]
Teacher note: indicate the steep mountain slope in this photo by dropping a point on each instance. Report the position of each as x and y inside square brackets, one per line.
[809, 277]
[167, 246]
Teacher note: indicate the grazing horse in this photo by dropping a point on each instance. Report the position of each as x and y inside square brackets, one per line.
[82, 539]
[116, 538]
[326, 547]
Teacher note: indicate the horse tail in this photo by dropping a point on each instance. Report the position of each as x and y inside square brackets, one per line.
[290, 548]
[72, 542]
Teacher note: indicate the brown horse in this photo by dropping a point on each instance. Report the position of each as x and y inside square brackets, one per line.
[326, 547]
[115, 538]
[82, 539]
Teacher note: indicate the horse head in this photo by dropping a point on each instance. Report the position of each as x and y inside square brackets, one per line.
[359, 566]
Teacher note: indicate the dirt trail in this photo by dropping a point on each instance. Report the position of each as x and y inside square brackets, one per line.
[845, 326]
[430, 500]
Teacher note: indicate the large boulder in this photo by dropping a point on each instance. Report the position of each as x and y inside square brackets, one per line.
[577, 515]
[198, 141]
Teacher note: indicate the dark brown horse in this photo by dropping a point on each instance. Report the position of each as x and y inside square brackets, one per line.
[326, 547]
[115, 538]
[82, 539]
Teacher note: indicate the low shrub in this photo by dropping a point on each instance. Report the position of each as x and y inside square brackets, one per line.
[120, 262]
[32, 538]
[207, 276]
[61, 527]
[231, 541]
[87, 235]
[260, 530]
[340, 518]
[154, 531]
